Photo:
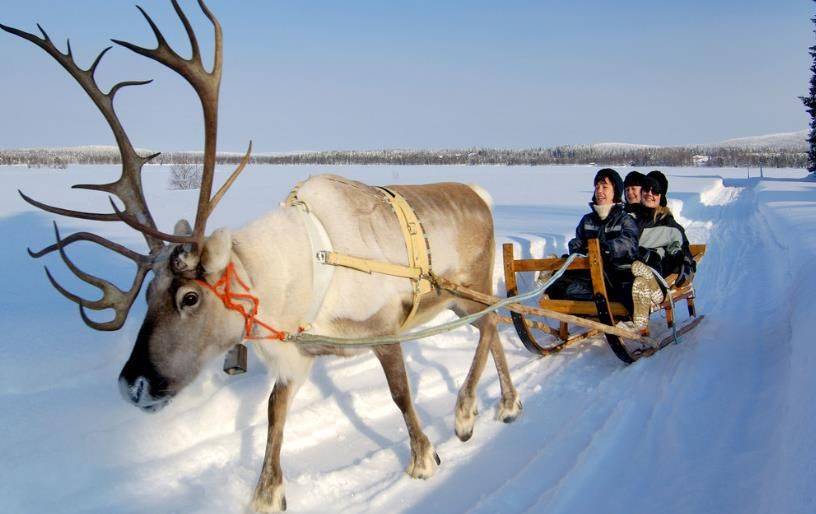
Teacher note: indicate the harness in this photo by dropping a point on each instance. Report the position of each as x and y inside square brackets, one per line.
[418, 269]
[325, 259]
[319, 242]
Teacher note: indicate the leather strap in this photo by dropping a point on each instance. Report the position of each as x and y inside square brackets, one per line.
[418, 269]
[320, 243]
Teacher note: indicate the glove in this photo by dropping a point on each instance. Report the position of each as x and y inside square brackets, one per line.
[648, 256]
[684, 275]
[576, 246]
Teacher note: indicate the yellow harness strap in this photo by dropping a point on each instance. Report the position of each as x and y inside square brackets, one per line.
[419, 258]
[370, 266]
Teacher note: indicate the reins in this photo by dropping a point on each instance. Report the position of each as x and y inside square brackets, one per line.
[223, 290]
[493, 304]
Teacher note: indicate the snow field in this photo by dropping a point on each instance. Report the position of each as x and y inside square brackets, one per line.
[719, 423]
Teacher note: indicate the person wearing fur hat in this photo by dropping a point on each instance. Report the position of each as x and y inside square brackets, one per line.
[663, 182]
[617, 233]
[663, 246]
[631, 191]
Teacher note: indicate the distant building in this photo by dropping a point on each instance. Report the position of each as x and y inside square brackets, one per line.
[700, 160]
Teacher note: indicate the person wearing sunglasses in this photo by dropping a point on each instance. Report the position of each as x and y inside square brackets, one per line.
[663, 246]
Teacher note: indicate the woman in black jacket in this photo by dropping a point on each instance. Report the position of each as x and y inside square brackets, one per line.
[617, 233]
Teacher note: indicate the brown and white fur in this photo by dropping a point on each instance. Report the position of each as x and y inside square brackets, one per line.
[273, 254]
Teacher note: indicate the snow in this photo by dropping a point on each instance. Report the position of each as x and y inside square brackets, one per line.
[782, 140]
[83, 149]
[607, 147]
[719, 423]
[778, 141]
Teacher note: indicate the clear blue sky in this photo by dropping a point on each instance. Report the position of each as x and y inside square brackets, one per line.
[306, 75]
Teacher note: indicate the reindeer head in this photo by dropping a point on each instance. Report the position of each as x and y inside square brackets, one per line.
[183, 326]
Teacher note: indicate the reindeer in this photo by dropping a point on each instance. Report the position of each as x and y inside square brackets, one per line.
[187, 321]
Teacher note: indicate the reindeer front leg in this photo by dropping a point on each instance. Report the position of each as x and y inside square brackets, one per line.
[269, 493]
[424, 459]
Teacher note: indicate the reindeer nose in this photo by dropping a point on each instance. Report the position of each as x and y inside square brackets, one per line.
[135, 392]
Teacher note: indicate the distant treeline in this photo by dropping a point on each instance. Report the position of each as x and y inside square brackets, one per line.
[583, 154]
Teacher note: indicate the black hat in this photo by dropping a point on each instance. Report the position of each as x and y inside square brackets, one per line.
[634, 178]
[651, 183]
[614, 178]
[663, 182]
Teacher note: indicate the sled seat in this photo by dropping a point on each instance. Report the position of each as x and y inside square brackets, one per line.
[589, 308]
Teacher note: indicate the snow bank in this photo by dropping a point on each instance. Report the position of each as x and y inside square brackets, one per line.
[720, 423]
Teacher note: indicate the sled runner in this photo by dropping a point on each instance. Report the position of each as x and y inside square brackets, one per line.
[600, 308]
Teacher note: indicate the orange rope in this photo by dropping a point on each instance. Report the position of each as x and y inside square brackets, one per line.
[222, 289]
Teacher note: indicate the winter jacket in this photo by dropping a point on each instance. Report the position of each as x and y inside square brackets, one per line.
[617, 235]
[634, 209]
[663, 244]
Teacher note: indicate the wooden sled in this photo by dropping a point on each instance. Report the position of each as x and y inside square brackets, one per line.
[600, 308]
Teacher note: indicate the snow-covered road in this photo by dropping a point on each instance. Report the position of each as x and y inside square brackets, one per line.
[720, 423]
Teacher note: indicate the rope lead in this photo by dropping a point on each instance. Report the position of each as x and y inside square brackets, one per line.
[315, 339]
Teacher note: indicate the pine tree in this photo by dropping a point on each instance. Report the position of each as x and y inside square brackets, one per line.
[810, 103]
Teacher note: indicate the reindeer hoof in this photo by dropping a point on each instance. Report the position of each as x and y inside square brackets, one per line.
[274, 501]
[424, 463]
[509, 411]
[465, 419]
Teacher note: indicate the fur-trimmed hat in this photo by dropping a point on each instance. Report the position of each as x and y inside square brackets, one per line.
[633, 178]
[663, 182]
[614, 178]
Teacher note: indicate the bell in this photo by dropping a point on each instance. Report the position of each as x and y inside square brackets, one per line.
[235, 361]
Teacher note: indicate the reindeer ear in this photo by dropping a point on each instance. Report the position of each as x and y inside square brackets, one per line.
[182, 228]
[217, 251]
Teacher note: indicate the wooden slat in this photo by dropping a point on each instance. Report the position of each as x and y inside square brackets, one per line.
[596, 268]
[582, 308]
[583, 335]
[581, 263]
[509, 270]
[563, 330]
[538, 325]
[550, 264]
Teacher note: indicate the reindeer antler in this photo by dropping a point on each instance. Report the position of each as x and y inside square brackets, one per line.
[205, 83]
[129, 185]
[128, 188]
[112, 297]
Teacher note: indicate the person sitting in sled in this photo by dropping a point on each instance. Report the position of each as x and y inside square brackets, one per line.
[663, 246]
[617, 233]
[631, 192]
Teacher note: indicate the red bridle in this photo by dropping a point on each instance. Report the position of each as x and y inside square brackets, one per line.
[223, 290]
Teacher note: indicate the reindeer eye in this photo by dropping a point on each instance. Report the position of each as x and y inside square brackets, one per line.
[189, 299]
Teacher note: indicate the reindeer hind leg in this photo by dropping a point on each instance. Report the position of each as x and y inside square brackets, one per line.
[466, 409]
[510, 405]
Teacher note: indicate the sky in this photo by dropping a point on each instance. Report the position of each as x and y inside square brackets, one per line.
[322, 75]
